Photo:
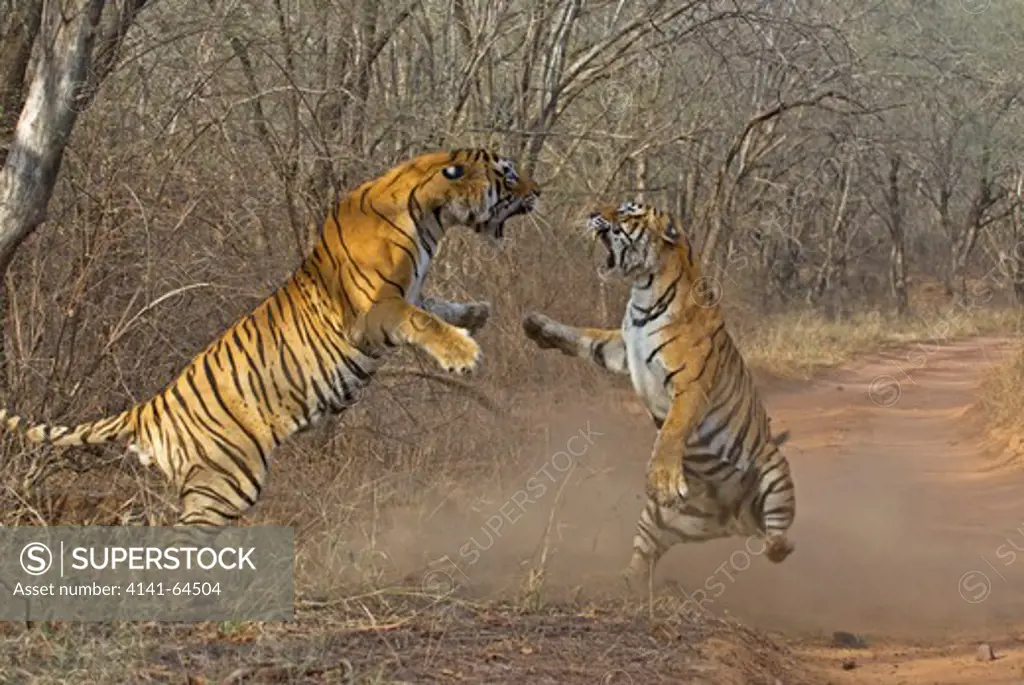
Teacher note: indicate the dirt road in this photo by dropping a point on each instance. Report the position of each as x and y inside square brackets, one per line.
[910, 535]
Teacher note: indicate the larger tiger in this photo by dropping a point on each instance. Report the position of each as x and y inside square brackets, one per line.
[715, 470]
[307, 350]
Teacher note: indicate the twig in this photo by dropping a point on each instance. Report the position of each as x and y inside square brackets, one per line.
[536, 578]
[482, 398]
[287, 673]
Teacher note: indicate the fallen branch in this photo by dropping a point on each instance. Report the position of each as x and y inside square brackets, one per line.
[480, 397]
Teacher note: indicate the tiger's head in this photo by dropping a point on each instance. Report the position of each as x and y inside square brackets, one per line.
[636, 236]
[476, 188]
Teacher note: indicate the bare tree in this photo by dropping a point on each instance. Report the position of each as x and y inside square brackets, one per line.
[892, 214]
[62, 84]
[19, 25]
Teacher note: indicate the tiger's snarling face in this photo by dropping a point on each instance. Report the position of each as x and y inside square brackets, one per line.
[476, 188]
[634, 235]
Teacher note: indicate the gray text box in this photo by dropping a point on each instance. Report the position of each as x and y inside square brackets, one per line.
[146, 573]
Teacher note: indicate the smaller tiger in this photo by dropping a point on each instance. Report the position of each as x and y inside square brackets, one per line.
[716, 470]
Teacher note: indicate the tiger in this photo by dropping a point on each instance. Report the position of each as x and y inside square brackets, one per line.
[715, 470]
[308, 349]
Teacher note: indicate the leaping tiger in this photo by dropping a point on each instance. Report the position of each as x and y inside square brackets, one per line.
[307, 350]
[715, 470]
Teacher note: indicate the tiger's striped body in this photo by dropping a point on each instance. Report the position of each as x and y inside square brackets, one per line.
[308, 349]
[715, 470]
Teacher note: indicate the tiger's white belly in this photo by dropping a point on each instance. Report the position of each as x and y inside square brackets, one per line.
[416, 287]
[648, 379]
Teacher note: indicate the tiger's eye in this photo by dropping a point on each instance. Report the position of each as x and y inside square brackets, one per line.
[453, 172]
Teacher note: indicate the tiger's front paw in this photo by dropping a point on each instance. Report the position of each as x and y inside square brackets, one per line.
[666, 483]
[538, 329]
[475, 315]
[458, 352]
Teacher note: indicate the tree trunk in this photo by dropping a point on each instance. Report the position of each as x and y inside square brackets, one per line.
[61, 87]
[897, 256]
[19, 31]
[978, 216]
[1014, 258]
[898, 278]
[833, 271]
[957, 285]
[43, 130]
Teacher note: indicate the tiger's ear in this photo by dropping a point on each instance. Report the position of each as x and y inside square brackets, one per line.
[671, 233]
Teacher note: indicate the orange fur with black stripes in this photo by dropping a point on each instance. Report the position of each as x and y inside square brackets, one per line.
[715, 470]
[307, 350]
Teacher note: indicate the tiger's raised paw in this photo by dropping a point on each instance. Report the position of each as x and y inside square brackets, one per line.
[666, 485]
[537, 328]
[475, 315]
[458, 353]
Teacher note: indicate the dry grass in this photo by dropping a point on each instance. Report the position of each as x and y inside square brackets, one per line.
[799, 345]
[1002, 400]
[1001, 410]
[426, 641]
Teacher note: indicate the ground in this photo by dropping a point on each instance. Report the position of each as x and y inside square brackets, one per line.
[907, 536]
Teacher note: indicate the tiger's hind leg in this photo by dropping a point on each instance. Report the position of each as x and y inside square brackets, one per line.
[210, 500]
[215, 498]
[661, 527]
[469, 315]
[771, 508]
[778, 547]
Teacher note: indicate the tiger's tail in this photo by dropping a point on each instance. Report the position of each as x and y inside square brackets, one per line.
[97, 432]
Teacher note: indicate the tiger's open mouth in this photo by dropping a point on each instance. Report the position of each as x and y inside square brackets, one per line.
[609, 262]
[602, 234]
[503, 211]
[616, 265]
[600, 230]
